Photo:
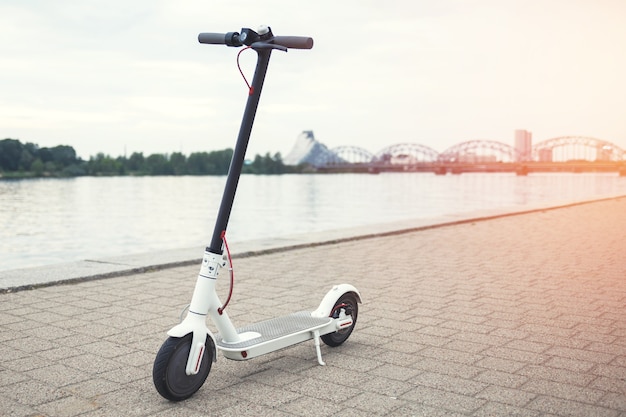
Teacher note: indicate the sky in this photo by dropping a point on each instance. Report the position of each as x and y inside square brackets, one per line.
[130, 76]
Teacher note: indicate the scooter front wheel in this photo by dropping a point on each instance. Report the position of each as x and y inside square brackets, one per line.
[348, 302]
[168, 372]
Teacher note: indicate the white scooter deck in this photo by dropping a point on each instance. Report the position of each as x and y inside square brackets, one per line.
[277, 333]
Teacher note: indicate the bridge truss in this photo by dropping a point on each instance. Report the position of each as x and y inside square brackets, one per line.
[559, 149]
[577, 148]
[406, 153]
[480, 151]
[342, 155]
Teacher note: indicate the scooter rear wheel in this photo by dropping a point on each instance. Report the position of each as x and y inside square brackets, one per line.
[351, 307]
[168, 372]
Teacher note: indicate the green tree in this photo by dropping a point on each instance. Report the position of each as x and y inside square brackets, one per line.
[136, 162]
[26, 160]
[74, 170]
[277, 164]
[209, 163]
[103, 164]
[220, 161]
[62, 160]
[178, 163]
[37, 167]
[10, 154]
[198, 164]
[49, 168]
[158, 164]
[45, 154]
[62, 155]
[121, 165]
[266, 165]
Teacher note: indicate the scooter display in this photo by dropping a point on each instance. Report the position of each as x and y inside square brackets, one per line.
[184, 360]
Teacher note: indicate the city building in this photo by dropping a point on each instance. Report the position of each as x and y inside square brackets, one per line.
[523, 145]
[307, 150]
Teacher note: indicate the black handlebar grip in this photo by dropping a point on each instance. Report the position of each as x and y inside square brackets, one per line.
[294, 42]
[212, 38]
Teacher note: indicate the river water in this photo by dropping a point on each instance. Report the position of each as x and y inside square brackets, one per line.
[47, 221]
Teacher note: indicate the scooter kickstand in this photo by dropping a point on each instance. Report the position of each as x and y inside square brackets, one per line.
[318, 350]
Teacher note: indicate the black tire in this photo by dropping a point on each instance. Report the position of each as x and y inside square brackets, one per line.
[352, 308]
[168, 373]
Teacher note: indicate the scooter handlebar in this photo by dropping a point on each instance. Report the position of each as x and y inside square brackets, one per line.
[294, 42]
[233, 39]
[212, 38]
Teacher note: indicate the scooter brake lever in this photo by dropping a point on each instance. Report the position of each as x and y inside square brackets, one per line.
[265, 45]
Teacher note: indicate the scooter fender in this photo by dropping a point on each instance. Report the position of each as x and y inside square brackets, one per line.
[195, 324]
[331, 297]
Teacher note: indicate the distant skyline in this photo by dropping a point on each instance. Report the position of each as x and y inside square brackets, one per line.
[115, 77]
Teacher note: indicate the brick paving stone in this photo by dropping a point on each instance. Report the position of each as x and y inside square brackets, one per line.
[252, 410]
[418, 409]
[573, 365]
[92, 389]
[32, 392]
[68, 406]
[93, 363]
[490, 339]
[306, 406]
[324, 391]
[374, 403]
[446, 367]
[560, 407]
[465, 346]
[619, 361]
[614, 401]
[517, 355]
[501, 379]
[528, 346]
[395, 372]
[498, 394]
[449, 383]
[403, 346]
[610, 385]
[554, 340]
[274, 377]
[565, 391]
[13, 408]
[557, 375]
[519, 315]
[445, 400]
[451, 355]
[425, 340]
[389, 356]
[57, 375]
[261, 394]
[499, 364]
[586, 354]
[610, 371]
[8, 377]
[391, 386]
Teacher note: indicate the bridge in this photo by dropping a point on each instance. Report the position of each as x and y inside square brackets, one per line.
[560, 154]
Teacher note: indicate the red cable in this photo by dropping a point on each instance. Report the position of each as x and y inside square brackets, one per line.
[337, 307]
[232, 273]
[250, 88]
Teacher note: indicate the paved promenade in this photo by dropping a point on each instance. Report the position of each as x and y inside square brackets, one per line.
[518, 315]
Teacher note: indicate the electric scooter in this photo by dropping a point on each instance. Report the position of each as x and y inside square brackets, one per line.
[184, 360]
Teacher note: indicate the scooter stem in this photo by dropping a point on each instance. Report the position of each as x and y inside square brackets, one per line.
[236, 163]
